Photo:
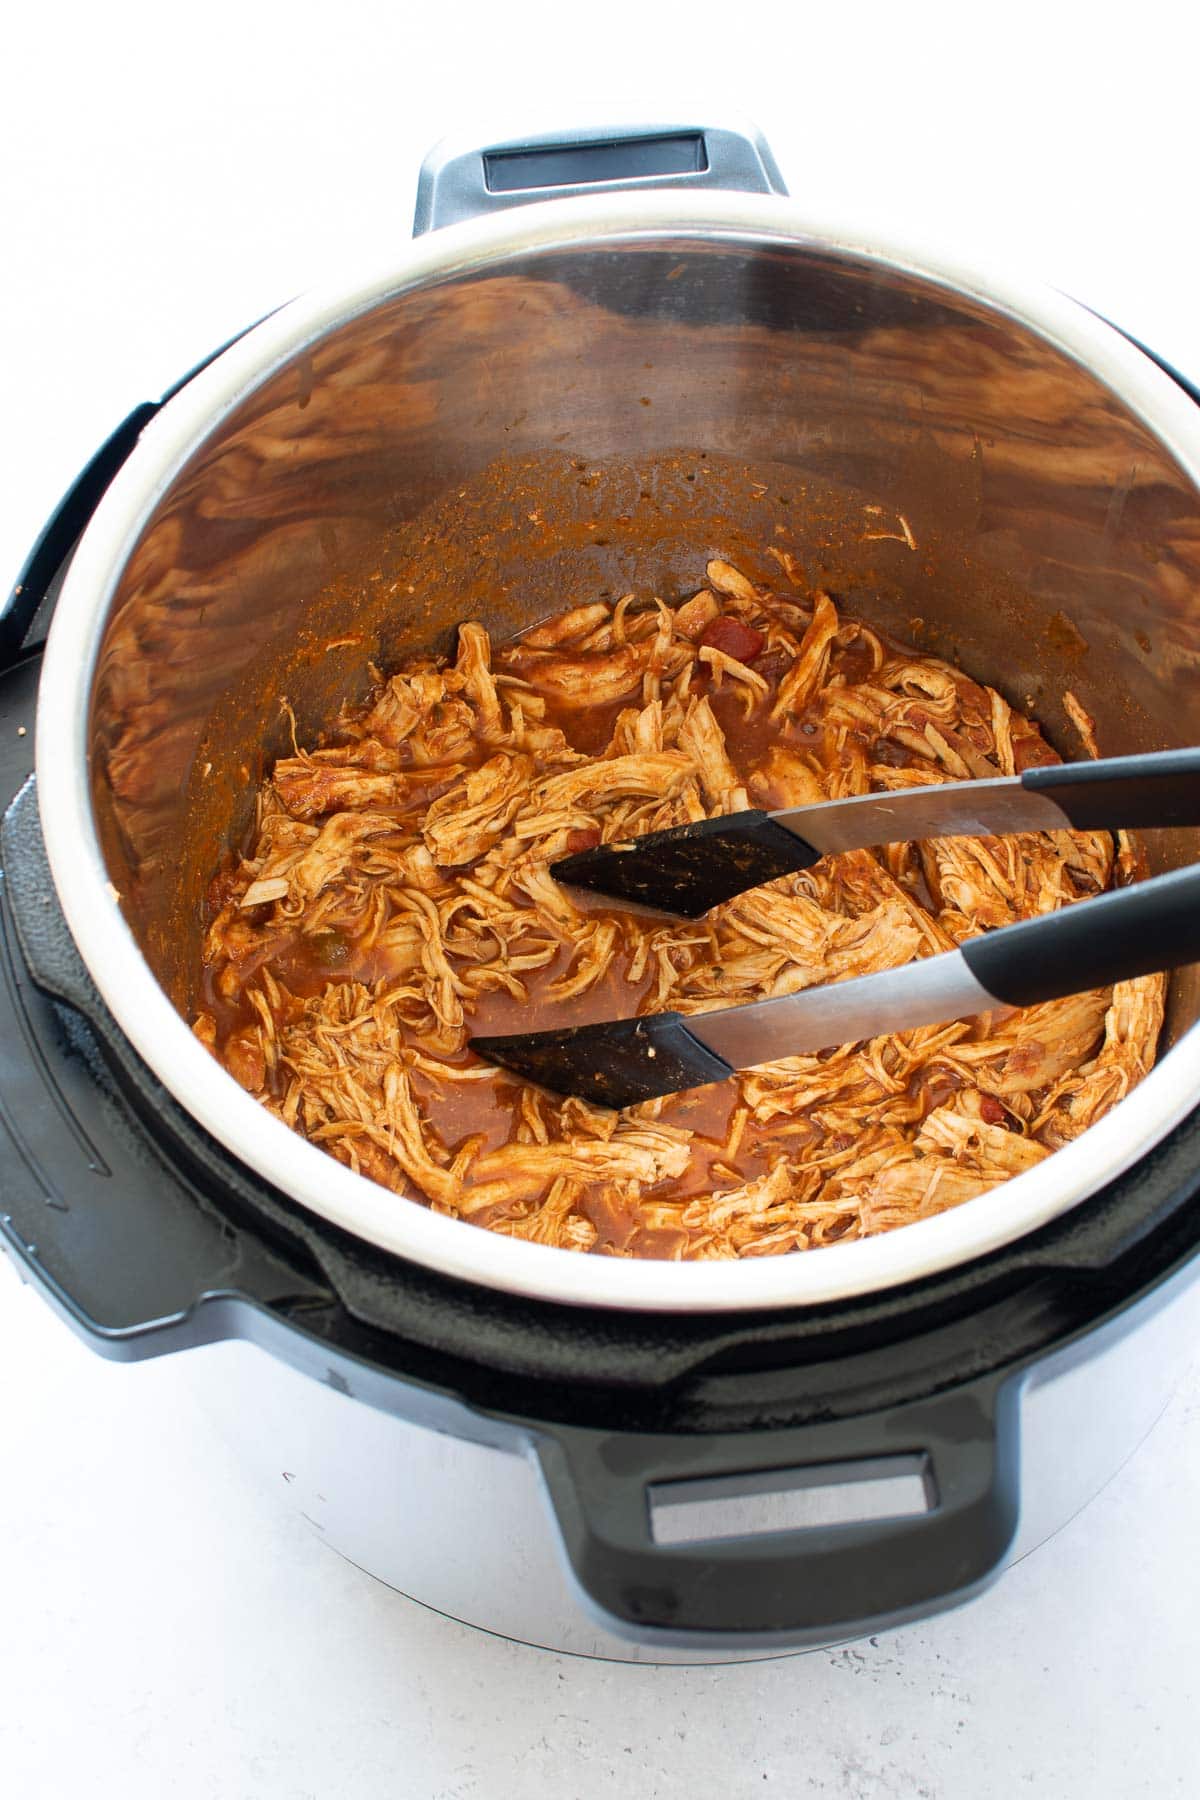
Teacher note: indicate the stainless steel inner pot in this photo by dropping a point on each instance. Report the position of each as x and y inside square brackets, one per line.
[593, 395]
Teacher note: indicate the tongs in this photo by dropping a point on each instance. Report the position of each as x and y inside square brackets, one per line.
[1132, 931]
[690, 868]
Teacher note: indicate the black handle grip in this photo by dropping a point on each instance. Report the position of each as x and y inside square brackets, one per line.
[827, 1580]
[1134, 931]
[460, 181]
[1160, 789]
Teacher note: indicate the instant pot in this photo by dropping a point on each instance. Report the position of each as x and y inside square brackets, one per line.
[568, 388]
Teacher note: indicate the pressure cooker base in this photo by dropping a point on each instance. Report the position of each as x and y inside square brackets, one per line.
[465, 1528]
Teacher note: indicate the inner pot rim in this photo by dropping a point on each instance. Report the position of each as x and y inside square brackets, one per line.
[305, 1173]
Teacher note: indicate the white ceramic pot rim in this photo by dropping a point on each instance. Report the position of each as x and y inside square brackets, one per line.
[325, 1187]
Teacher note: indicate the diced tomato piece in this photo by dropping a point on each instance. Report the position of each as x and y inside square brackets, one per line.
[732, 638]
[991, 1109]
[582, 840]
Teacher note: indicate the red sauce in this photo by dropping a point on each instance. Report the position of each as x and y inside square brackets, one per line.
[733, 638]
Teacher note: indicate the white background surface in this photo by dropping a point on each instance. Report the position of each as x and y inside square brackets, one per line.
[167, 175]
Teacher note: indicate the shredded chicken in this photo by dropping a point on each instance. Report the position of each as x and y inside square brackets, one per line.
[398, 898]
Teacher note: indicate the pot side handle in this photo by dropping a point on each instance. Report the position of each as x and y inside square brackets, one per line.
[958, 1453]
[460, 179]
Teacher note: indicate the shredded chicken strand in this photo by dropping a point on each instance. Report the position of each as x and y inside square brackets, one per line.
[397, 898]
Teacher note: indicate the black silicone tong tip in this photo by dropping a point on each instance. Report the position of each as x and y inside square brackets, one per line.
[617, 1063]
[691, 868]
